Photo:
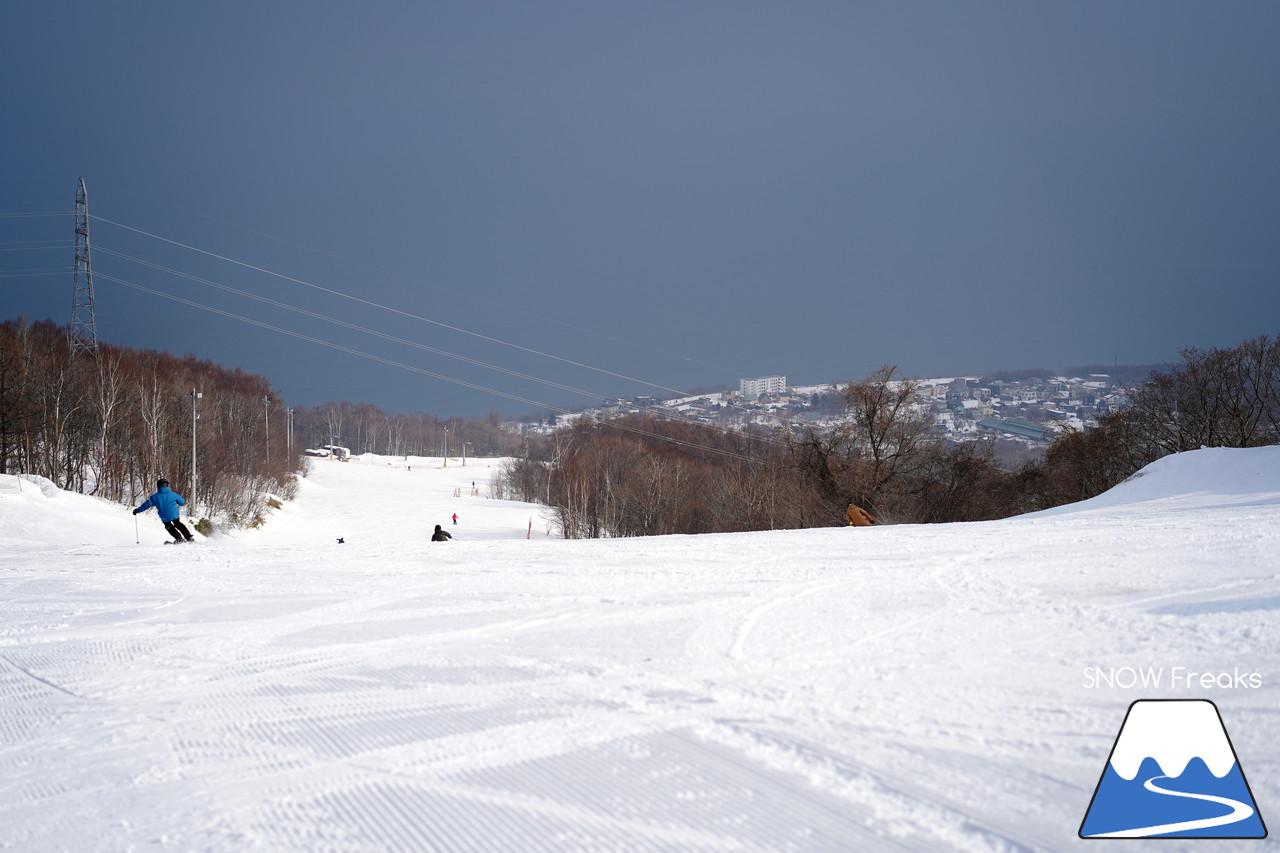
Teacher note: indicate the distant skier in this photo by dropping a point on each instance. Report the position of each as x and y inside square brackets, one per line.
[166, 501]
[455, 519]
[441, 535]
[858, 517]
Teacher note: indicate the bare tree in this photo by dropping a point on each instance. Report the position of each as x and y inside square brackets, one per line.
[112, 381]
[1214, 398]
[890, 427]
[870, 454]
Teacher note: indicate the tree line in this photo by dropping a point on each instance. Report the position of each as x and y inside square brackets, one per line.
[368, 429]
[642, 475]
[111, 423]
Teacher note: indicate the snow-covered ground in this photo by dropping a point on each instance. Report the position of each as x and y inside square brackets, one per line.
[888, 688]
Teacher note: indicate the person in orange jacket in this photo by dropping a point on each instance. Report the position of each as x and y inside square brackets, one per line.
[858, 517]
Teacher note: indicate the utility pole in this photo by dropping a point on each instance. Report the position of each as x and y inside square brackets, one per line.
[84, 321]
[266, 425]
[288, 436]
[195, 395]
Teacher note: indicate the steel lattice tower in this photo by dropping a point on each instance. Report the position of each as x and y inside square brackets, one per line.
[84, 320]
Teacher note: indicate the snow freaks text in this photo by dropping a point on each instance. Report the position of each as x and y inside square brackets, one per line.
[1173, 677]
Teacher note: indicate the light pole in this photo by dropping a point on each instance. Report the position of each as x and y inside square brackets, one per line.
[444, 459]
[195, 395]
[464, 453]
[288, 436]
[266, 425]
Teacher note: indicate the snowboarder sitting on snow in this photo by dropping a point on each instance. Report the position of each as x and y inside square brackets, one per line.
[441, 535]
[166, 501]
[858, 517]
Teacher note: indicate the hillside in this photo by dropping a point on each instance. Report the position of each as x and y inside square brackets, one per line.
[888, 688]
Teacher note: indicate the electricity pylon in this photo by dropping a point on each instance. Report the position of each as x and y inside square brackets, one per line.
[84, 320]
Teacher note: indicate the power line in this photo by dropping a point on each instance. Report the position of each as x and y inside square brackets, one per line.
[373, 332]
[388, 308]
[385, 336]
[424, 372]
[42, 271]
[411, 280]
[34, 245]
[320, 341]
[33, 215]
[380, 306]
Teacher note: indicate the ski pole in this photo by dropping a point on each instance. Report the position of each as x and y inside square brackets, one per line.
[137, 538]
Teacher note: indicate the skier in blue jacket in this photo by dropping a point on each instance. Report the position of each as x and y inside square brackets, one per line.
[166, 501]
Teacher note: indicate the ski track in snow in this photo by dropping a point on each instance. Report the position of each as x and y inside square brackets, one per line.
[889, 688]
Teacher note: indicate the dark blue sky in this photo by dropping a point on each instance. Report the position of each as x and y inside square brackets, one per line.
[685, 193]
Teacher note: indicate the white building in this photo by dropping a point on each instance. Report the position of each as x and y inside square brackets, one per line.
[762, 385]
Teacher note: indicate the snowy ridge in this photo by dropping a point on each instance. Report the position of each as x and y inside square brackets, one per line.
[35, 511]
[1194, 480]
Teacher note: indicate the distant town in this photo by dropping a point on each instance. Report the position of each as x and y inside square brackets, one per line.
[1021, 411]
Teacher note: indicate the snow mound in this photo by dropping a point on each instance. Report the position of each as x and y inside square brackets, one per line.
[34, 511]
[1210, 477]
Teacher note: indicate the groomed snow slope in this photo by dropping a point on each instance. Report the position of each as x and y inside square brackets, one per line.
[885, 688]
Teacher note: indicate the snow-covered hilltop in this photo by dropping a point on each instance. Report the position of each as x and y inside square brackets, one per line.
[941, 687]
